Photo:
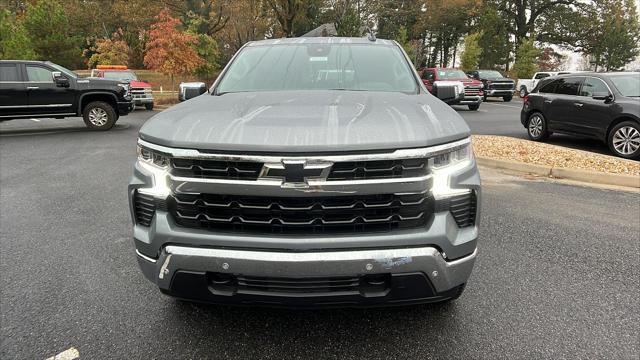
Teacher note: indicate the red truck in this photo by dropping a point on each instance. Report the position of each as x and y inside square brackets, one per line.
[473, 89]
[140, 90]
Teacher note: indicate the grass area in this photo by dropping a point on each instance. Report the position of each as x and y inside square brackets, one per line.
[157, 80]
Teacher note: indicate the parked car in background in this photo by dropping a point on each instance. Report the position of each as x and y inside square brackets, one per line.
[313, 173]
[525, 86]
[37, 89]
[603, 106]
[473, 89]
[140, 90]
[495, 84]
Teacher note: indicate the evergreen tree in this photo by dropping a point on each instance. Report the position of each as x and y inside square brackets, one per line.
[14, 42]
[472, 52]
[526, 57]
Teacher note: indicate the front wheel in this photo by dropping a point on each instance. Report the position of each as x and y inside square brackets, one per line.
[474, 107]
[99, 115]
[537, 127]
[624, 140]
[507, 98]
[523, 91]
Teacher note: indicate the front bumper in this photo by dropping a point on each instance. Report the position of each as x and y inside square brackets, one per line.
[499, 93]
[142, 101]
[400, 276]
[125, 107]
[471, 100]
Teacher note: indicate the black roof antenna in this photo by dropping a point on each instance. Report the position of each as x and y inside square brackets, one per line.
[370, 34]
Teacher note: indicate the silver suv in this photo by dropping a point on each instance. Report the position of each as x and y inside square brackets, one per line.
[314, 172]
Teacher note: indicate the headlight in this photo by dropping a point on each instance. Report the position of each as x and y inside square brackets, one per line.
[156, 164]
[126, 87]
[447, 163]
[153, 157]
[452, 157]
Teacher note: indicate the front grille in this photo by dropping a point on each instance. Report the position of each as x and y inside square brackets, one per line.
[503, 86]
[352, 170]
[367, 285]
[301, 215]
[378, 169]
[216, 169]
[140, 93]
[463, 209]
[301, 285]
[472, 91]
[144, 208]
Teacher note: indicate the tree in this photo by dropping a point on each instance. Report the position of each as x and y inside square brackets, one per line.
[169, 50]
[526, 17]
[403, 39]
[494, 39]
[472, 52]
[47, 26]
[550, 60]
[526, 56]
[611, 33]
[110, 51]
[14, 42]
[346, 17]
[286, 12]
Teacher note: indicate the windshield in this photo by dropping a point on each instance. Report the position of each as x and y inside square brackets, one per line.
[319, 67]
[489, 74]
[64, 70]
[451, 74]
[120, 75]
[627, 84]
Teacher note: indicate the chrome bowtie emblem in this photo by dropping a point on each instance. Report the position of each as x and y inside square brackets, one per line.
[295, 173]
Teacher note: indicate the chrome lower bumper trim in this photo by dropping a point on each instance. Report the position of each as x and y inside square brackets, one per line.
[443, 274]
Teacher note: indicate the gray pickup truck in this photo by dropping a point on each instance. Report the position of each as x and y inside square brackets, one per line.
[314, 172]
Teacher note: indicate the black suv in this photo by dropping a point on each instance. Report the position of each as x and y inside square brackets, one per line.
[604, 106]
[36, 89]
[495, 84]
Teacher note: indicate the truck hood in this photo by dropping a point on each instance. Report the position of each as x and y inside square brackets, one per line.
[499, 79]
[139, 84]
[306, 121]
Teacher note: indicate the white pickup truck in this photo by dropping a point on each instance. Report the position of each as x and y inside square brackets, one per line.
[525, 86]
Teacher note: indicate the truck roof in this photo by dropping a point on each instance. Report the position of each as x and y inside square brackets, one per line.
[321, 40]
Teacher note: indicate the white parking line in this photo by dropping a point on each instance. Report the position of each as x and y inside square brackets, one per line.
[69, 354]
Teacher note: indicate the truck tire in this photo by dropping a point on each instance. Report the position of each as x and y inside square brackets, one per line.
[537, 127]
[148, 106]
[624, 140]
[474, 107]
[99, 115]
[507, 98]
[523, 91]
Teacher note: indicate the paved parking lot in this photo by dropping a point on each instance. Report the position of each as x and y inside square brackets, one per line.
[556, 277]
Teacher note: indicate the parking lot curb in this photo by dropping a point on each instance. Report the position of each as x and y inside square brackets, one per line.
[587, 176]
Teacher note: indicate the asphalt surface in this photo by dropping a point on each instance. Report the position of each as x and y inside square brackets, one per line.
[556, 277]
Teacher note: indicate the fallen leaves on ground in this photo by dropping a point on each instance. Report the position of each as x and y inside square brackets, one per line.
[526, 151]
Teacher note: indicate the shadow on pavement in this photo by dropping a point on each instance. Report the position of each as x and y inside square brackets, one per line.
[44, 130]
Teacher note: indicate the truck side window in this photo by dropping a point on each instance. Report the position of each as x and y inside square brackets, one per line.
[428, 75]
[541, 76]
[39, 74]
[8, 72]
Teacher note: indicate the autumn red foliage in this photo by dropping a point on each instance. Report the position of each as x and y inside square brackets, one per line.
[170, 50]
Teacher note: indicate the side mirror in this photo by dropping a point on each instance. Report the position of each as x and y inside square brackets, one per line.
[189, 90]
[601, 96]
[60, 80]
[449, 91]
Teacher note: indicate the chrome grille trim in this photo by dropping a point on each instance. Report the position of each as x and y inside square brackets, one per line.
[425, 152]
